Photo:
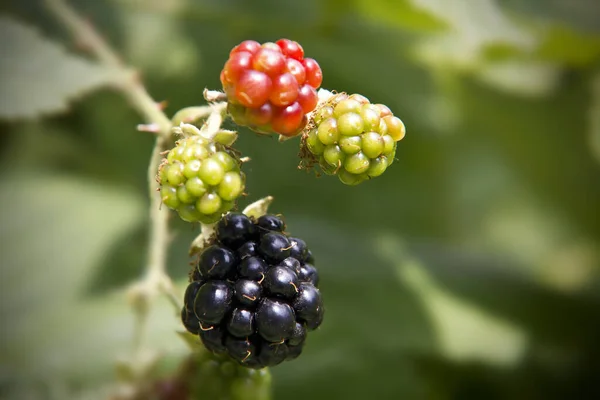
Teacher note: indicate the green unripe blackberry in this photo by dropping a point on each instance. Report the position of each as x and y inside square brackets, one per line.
[201, 180]
[349, 137]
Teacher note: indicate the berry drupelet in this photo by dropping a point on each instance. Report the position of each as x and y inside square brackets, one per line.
[350, 137]
[271, 87]
[253, 294]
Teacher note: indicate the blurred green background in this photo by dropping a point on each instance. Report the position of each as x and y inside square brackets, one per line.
[469, 270]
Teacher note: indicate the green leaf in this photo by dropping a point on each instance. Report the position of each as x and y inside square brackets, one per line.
[38, 77]
[464, 330]
[569, 47]
[579, 14]
[400, 13]
[55, 233]
[526, 78]
[464, 44]
[594, 118]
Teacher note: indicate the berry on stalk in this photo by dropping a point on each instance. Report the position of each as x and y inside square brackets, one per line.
[271, 87]
[201, 180]
[349, 137]
[253, 292]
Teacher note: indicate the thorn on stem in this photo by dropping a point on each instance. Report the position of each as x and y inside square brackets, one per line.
[152, 128]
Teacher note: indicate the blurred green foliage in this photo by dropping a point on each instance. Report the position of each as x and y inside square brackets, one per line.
[471, 269]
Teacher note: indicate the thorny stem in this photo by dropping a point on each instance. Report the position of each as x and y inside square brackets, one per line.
[155, 279]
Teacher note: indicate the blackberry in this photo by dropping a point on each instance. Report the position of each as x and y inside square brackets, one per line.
[271, 87]
[212, 338]
[299, 250]
[247, 293]
[235, 229]
[252, 268]
[246, 250]
[308, 273]
[253, 293]
[216, 262]
[281, 282]
[212, 302]
[270, 223]
[349, 137]
[273, 354]
[201, 180]
[274, 247]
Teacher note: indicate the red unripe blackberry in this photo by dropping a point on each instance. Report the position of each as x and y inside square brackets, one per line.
[288, 121]
[253, 88]
[247, 45]
[291, 49]
[314, 75]
[272, 86]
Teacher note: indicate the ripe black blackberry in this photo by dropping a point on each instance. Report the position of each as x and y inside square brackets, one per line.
[253, 293]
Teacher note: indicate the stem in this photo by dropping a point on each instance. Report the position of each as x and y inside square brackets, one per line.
[155, 279]
[132, 88]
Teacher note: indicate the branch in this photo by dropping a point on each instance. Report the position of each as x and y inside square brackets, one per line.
[155, 280]
[133, 89]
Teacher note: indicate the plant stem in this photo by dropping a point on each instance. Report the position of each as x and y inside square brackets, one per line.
[133, 89]
[155, 279]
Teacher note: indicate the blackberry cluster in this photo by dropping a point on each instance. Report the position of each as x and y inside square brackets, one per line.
[200, 180]
[271, 87]
[253, 293]
[352, 138]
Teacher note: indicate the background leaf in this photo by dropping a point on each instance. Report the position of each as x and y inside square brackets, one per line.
[38, 77]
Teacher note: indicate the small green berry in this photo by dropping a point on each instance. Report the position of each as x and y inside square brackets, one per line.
[328, 131]
[191, 168]
[395, 127]
[211, 172]
[370, 117]
[194, 151]
[357, 163]
[209, 203]
[175, 174]
[175, 154]
[377, 167]
[231, 187]
[228, 162]
[209, 219]
[350, 124]
[350, 144]
[334, 155]
[360, 98]
[350, 179]
[388, 144]
[346, 106]
[314, 144]
[188, 212]
[162, 173]
[184, 195]
[390, 157]
[195, 186]
[383, 128]
[327, 168]
[226, 206]
[169, 196]
[372, 144]
[322, 114]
